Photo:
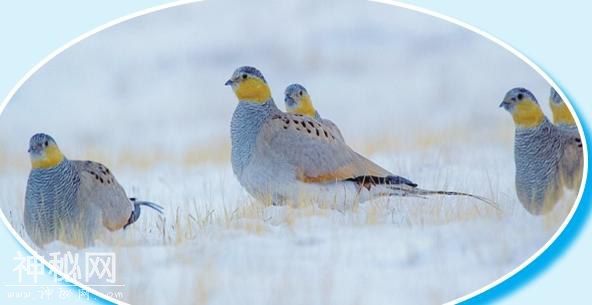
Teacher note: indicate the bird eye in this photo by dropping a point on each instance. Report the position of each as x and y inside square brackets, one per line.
[301, 93]
[244, 76]
[46, 143]
[520, 96]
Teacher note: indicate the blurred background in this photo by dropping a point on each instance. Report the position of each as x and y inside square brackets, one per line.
[155, 85]
[416, 94]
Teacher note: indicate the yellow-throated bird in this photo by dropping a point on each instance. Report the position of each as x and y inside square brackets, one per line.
[73, 201]
[572, 164]
[538, 151]
[285, 158]
[298, 101]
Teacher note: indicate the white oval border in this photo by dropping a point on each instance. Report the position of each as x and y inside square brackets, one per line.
[411, 7]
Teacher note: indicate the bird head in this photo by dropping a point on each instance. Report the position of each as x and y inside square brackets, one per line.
[44, 151]
[554, 97]
[298, 101]
[561, 114]
[249, 85]
[524, 108]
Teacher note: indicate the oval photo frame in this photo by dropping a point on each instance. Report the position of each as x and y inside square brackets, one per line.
[403, 6]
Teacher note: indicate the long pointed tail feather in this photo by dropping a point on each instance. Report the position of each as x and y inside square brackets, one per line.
[400, 186]
[419, 192]
[138, 208]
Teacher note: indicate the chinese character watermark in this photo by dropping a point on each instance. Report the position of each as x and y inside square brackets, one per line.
[98, 268]
[29, 266]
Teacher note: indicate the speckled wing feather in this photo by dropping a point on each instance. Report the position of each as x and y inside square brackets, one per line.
[333, 128]
[99, 187]
[311, 148]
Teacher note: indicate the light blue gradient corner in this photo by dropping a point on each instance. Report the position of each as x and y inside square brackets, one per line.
[8, 278]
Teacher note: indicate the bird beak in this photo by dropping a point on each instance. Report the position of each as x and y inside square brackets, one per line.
[505, 105]
[228, 82]
[290, 101]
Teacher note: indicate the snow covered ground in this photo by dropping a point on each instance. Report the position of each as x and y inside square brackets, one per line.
[417, 95]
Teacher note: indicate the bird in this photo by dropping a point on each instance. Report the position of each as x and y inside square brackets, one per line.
[284, 158]
[572, 165]
[73, 201]
[298, 101]
[538, 151]
[562, 116]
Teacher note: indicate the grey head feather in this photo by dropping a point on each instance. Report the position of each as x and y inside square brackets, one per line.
[295, 89]
[250, 71]
[518, 94]
[554, 96]
[39, 141]
[292, 92]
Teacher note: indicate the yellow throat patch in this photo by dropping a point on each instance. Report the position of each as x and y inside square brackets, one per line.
[561, 114]
[253, 89]
[52, 157]
[305, 107]
[527, 114]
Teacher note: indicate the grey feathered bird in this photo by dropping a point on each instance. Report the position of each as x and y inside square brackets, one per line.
[539, 149]
[285, 158]
[298, 101]
[73, 201]
[572, 164]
